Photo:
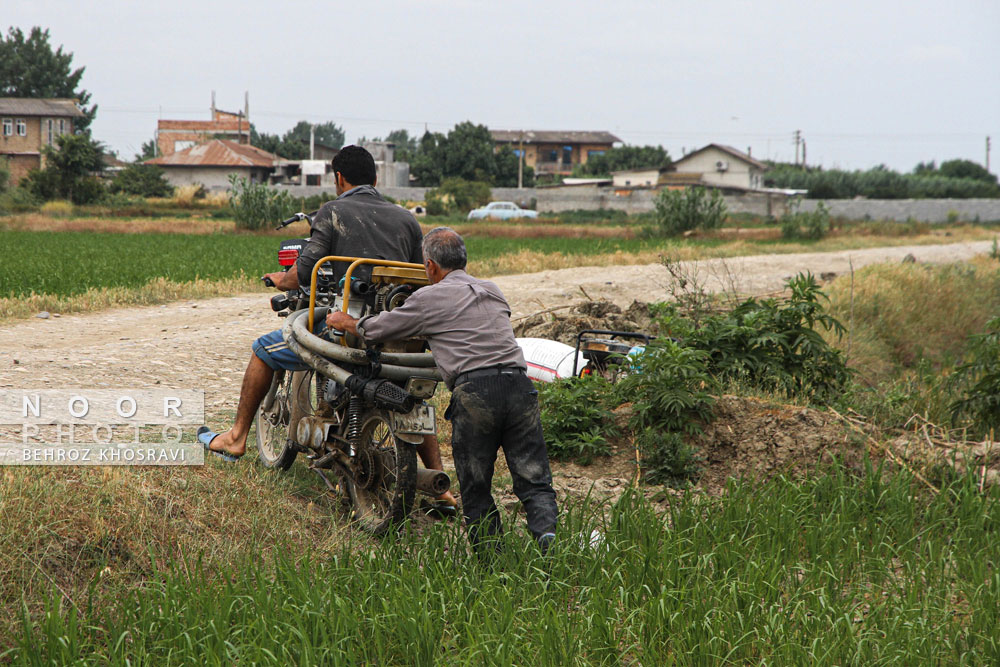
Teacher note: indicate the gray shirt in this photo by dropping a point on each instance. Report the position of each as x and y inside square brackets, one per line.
[466, 322]
[360, 223]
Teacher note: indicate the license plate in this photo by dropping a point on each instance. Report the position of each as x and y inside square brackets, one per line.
[418, 421]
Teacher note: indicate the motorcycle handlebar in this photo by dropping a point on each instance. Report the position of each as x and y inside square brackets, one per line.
[296, 218]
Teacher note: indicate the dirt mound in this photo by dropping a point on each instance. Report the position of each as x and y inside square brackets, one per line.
[749, 438]
[755, 439]
[600, 314]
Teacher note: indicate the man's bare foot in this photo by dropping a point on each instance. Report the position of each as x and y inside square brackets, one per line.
[228, 443]
[446, 497]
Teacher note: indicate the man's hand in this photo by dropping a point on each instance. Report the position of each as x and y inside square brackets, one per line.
[282, 280]
[341, 321]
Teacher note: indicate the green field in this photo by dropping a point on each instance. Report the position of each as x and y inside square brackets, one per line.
[67, 263]
[851, 567]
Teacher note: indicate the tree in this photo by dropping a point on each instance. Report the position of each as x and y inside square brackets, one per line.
[147, 150]
[427, 165]
[69, 169]
[406, 146]
[294, 144]
[624, 157]
[30, 68]
[966, 169]
[144, 180]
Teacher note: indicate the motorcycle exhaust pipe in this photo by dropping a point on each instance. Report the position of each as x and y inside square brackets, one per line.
[432, 482]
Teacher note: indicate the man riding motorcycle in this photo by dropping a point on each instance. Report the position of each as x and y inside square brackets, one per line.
[359, 223]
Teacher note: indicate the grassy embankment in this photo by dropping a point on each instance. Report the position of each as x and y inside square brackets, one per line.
[857, 568]
[79, 264]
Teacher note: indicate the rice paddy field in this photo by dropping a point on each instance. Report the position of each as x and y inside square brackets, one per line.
[849, 567]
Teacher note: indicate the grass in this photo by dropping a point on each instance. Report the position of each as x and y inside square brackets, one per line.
[846, 568]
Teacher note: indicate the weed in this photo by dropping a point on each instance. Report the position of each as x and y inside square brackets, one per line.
[980, 379]
[576, 418]
[678, 211]
[811, 225]
[58, 208]
[255, 205]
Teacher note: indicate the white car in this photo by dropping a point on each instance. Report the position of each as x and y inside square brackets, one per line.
[501, 210]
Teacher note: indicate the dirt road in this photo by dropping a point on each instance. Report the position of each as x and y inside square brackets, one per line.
[206, 344]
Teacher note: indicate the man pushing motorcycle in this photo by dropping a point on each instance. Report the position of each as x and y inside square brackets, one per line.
[359, 223]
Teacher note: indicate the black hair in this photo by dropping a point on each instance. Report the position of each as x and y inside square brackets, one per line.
[356, 165]
[445, 247]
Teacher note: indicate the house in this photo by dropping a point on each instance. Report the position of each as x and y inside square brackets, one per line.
[554, 152]
[176, 135]
[723, 167]
[28, 124]
[651, 177]
[210, 164]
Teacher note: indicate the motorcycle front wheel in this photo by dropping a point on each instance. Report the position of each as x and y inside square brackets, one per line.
[274, 448]
[383, 482]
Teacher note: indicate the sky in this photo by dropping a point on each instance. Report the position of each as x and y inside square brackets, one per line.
[866, 82]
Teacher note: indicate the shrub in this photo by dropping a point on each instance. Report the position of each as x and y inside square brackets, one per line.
[679, 211]
[144, 180]
[576, 418]
[186, 195]
[812, 225]
[456, 195]
[255, 205]
[775, 345]
[58, 208]
[670, 398]
[18, 200]
[980, 377]
[4, 175]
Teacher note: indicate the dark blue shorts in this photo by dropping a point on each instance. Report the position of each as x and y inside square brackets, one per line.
[272, 349]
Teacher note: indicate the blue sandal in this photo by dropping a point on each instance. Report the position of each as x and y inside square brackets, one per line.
[205, 437]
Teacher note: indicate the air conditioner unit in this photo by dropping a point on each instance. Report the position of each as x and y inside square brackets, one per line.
[721, 165]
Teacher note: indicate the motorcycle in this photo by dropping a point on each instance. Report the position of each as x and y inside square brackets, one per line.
[358, 412]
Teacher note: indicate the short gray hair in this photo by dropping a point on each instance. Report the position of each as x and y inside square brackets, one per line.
[445, 247]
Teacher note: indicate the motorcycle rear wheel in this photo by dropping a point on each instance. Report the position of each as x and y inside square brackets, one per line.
[274, 446]
[384, 477]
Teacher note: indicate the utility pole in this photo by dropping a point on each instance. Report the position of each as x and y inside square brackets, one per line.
[798, 137]
[803, 153]
[987, 153]
[520, 162]
[312, 141]
[246, 111]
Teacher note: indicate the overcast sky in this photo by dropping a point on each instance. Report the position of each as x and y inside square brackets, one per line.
[867, 82]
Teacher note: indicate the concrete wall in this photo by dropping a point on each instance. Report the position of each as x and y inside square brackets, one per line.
[213, 178]
[555, 200]
[921, 210]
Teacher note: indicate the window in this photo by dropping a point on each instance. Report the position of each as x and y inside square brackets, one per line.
[552, 155]
[49, 137]
[8, 127]
[567, 155]
[62, 126]
[22, 128]
[591, 154]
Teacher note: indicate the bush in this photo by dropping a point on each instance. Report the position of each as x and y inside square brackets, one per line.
[670, 398]
[18, 200]
[456, 195]
[255, 205]
[771, 344]
[144, 180]
[58, 208]
[576, 418]
[679, 211]
[4, 175]
[811, 225]
[980, 379]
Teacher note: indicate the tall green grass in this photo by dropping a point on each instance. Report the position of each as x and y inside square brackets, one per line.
[845, 568]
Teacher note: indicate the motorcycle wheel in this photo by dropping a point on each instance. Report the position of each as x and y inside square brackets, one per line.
[274, 447]
[383, 484]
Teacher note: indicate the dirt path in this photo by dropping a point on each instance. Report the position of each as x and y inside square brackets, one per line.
[206, 344]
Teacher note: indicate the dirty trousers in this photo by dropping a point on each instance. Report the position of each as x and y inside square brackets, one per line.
[487, 413]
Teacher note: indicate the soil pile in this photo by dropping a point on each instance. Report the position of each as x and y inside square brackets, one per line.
[564, 326]
[749, 439]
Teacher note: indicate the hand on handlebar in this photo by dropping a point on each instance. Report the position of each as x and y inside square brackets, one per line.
[273, 279]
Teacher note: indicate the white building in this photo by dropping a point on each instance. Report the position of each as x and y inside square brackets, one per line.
[724, 167]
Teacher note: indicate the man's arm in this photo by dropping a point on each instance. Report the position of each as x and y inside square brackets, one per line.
[284, 280]
[323, 238]
[402, 322]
